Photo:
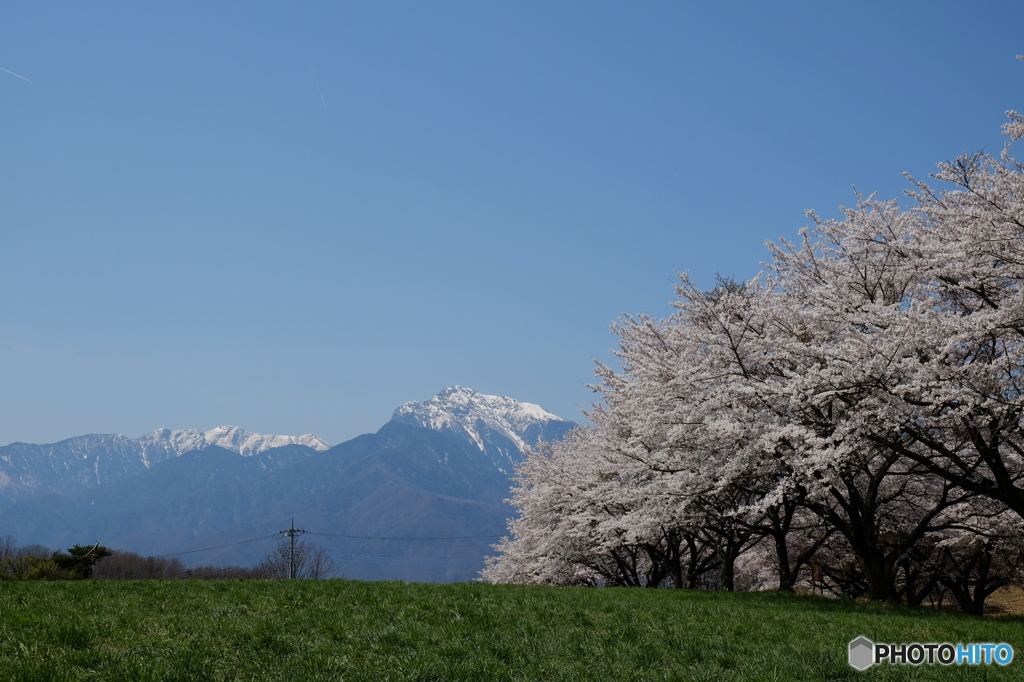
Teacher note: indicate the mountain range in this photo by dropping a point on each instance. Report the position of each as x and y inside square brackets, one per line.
[421, 499]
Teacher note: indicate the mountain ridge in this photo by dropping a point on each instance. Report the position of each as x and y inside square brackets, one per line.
[501, 427]
[447, 479]
[75, 464]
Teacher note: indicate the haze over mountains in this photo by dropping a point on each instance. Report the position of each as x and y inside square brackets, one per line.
[438, 469]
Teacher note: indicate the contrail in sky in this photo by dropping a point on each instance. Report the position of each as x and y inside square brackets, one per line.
[25, 79]
[318, 87]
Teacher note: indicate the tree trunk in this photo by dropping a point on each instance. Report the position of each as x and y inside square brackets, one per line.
[879, 576]
[787, 577]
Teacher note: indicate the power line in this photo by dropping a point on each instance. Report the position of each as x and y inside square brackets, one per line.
[368, 559]
[293, 531]
[377, 537]
[230, 544]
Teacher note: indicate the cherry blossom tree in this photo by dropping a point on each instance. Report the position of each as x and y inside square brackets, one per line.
[860, 402]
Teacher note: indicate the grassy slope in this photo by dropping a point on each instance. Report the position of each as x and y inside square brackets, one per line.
[340, 630]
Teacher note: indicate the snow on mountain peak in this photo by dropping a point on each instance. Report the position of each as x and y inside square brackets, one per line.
[467, 412]
[247, 443]
[231, 438]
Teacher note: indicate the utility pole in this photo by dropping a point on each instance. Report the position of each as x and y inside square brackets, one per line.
[291, 533]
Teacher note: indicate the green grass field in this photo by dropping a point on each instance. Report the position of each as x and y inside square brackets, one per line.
[342, 630]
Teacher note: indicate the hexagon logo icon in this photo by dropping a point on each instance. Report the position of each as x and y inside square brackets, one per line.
[862, 653]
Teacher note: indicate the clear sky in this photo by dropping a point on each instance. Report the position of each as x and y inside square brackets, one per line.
[293, 217]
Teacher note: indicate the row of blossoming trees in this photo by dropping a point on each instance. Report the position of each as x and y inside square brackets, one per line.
[851, 419]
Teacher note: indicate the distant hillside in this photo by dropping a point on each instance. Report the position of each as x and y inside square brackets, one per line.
[74, 465]
[438, 469]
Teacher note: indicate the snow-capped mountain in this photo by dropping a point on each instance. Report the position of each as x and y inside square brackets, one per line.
[500, 427]
[231, 438]
[438, 469]
[72, 465]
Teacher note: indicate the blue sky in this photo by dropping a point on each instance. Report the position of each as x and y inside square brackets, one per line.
[293, 218]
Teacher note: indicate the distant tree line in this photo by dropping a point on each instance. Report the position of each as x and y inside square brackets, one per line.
[850, 421]
[36, 562]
